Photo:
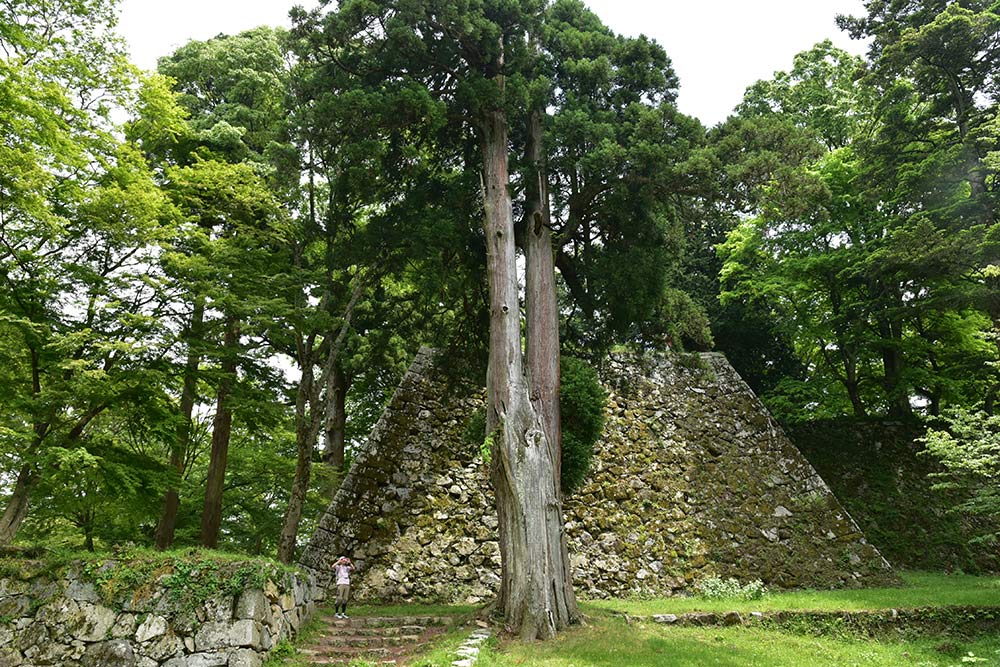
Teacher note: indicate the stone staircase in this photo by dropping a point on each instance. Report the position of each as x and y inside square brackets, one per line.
[382, 640]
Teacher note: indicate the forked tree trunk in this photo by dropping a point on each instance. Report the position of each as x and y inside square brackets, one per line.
[17, 505]
[542, 317]
[189, 392]
[307, 429]
[211, 516]
[533, 593]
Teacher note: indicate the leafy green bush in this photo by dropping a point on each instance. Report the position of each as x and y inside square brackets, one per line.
[717, 588]
[581, 402]
[969, 449]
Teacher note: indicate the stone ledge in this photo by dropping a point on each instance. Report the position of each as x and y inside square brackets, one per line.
[66, 622]
[962, 619]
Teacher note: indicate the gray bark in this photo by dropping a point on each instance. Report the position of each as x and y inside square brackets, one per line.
[533, 591]
[542, 320]
[17, 505]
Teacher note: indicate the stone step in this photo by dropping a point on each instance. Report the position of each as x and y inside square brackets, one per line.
[374, 641]
[383, 631]
[349, 661]
[319, 653]
[352, 661]
[384, 621]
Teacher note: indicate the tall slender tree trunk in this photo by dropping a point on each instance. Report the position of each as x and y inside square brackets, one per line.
[307, 430]
[336, 423]
[17, 505]
[542, 319]
[211, 517]
[892, 365]
[532, 591]
[304, 442]
[189, 393]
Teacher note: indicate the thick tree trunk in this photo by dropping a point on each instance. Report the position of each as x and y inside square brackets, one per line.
[854, 393]
[189, 393]
[533, 591]
[211, 517]
[88, 536]
[336, 422]
[17, 504]
[542, 318]
[541, 308]
[850, 377]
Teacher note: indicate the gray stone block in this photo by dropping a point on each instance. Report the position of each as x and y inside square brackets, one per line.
[245, 658]
[154, 626]
[114, 653]
[10, 658]
[97, 621]
[245, 633]
[82, 591]
[253, 605]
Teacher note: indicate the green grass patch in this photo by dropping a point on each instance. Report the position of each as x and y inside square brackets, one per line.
[442, 651]
[920, 589]
[607, 640]
[611, 642]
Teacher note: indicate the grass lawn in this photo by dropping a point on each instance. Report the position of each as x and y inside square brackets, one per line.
[920, 589]
[610, 642]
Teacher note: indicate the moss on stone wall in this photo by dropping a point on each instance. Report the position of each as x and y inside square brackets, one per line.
[876, 469]
[691, 478]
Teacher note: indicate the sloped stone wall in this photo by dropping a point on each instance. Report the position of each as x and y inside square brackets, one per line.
[691, 478]
[880, 469]
[62, 619]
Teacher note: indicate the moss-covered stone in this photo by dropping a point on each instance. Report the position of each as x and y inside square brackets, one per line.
[876, 468]
[691, 478]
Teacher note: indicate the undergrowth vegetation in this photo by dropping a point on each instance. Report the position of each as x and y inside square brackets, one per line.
[188, 577]
[717, 588]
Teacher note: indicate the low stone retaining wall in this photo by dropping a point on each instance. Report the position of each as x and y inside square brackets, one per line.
[113, 615]
[963, 620]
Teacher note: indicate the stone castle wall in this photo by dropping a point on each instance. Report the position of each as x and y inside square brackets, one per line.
[691, 478]
[63, 619]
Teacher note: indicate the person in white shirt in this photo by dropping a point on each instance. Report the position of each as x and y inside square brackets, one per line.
[342, 569]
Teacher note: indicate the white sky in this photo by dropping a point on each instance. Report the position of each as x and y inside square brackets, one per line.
[718, 47]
